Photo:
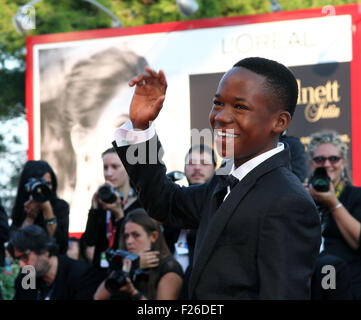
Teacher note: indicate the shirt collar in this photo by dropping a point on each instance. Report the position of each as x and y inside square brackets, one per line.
[248, 166]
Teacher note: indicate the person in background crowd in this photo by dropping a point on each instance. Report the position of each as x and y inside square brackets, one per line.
[4, 236]
[140, 233]
[76, 249]
[340, 206]
[4, 233]
[200, 163]
[199, 167]
[49, 212]
[58, 277]
[298, 156]
[104, 219]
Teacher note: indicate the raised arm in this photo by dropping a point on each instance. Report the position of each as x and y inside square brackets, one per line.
[148, 97]
[142, 158]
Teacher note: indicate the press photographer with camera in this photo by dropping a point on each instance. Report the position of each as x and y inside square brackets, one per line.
[127, 279]
[338, 200]
[110, 204]
[54, 276]
[37, 202]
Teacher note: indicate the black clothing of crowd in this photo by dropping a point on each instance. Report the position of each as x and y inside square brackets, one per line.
[83, 279]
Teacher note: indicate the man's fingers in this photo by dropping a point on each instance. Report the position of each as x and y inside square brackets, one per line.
[149, 76]
[162, 79]
[151, 72]
[138, 79]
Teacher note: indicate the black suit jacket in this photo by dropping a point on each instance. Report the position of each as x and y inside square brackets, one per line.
[75, 280]
[261, 243]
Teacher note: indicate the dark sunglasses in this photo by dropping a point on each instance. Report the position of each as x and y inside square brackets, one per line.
[322, 159]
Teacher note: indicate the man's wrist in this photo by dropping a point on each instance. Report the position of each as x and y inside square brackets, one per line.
[126, 135]
[139, 126]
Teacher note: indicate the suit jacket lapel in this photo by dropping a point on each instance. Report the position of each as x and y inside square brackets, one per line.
[220, 217]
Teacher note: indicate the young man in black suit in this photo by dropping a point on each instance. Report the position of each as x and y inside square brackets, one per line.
[258, 237]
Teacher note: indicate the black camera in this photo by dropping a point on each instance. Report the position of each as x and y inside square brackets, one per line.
[320, 180]
[124, 264]
[38, 189]
[108, 194]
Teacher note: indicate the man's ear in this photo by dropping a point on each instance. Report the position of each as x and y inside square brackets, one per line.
[283, 119]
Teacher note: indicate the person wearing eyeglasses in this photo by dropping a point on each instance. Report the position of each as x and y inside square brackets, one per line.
[340, 207]
[51, 213]
[49, 275]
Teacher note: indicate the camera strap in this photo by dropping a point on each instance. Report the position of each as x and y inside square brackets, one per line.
[339, 188]
[110, 229]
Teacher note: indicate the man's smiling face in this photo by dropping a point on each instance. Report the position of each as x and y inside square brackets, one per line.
[244, 116]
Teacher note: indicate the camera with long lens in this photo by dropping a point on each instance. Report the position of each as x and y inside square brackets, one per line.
[320, 180]
[124, 264]
[107, 194]
[38, 189]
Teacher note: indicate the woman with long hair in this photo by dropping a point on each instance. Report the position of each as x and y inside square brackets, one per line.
[50, 212]
[160, 281]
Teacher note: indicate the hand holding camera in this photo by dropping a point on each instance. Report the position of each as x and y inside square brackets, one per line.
[321, 189]
[39, 196]
[32, 209]
[125, 268]
[110, 199]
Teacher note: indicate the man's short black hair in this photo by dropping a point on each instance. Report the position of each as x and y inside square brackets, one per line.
[202, 148]
[109, 150]
[33, 238]
[279, 79]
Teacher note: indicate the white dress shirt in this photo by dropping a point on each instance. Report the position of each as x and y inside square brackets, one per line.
[126, 135]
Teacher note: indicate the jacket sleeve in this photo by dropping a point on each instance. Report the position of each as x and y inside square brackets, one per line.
[163, 199]
[89, 235]
[61, 211]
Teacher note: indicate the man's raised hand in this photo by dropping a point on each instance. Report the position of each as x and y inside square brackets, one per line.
[148, 97]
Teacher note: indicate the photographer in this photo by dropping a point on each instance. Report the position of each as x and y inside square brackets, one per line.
[339, 202]
[109, 206]
[57, 277]
[37, 203]
[140, 234]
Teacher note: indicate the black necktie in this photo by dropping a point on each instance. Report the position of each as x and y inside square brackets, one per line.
[224, 181]
[227, 181]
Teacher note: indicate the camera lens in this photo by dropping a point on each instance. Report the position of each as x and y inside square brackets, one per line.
[38, 189]
[321, 185]
[116, 281]
[107, 194]
[320, 180]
